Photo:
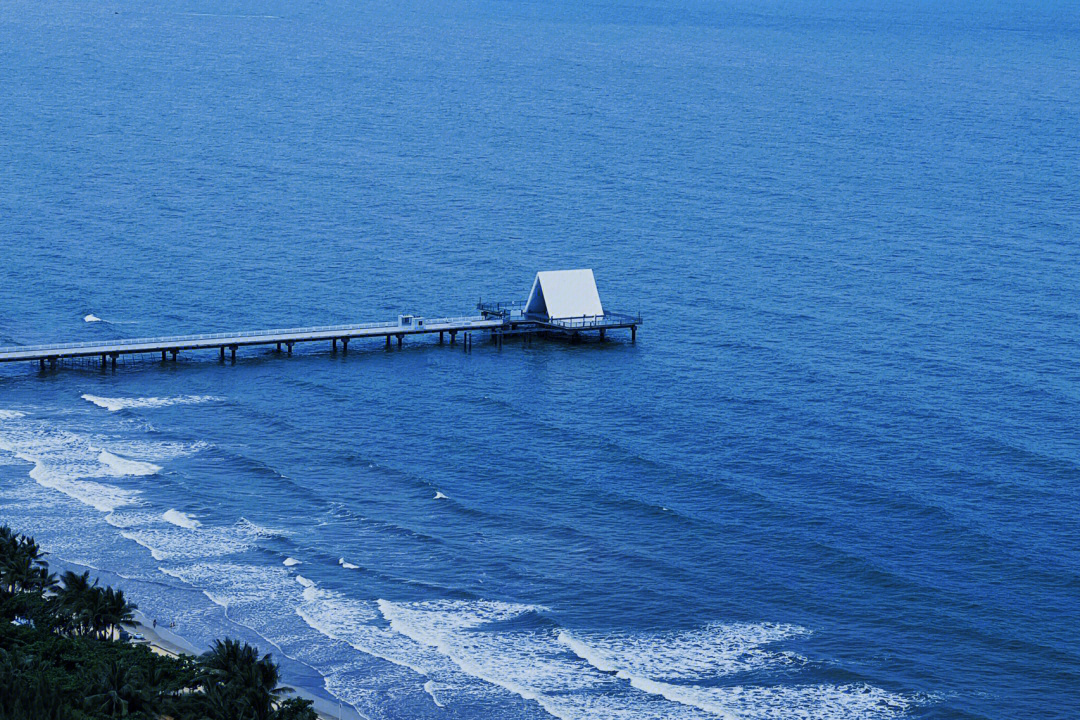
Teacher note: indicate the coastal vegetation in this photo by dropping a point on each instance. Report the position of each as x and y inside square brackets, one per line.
[61, 656]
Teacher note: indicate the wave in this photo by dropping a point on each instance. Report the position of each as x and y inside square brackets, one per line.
[520, 662]
[715, 650]
[100, 496]
[429, 688]
[347, 565]
[179, 543]
[92, 318]
[180, 519]
[260, 531]
[614, 677]
[65, 462]
[124, 467]
[115, 404]
[633, 658]
[834, 702]
[439, 496]
[289, 562]
[138, 539]
[11, 414]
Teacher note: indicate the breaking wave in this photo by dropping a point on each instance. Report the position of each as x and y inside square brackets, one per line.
[180, 519]
[115, 404]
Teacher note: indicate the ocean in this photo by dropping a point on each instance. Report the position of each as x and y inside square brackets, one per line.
[836, 478]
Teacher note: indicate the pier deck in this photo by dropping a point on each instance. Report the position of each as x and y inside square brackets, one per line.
[569, 293]
[499, 319]
[111, 349]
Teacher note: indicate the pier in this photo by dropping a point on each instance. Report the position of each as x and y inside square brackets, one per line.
[498, 321]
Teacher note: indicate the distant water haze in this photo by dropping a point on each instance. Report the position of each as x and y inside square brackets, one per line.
[837, 477]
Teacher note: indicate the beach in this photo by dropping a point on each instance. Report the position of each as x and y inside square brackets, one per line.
[164, 641]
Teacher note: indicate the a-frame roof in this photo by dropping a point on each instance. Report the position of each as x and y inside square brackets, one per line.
[562, 294]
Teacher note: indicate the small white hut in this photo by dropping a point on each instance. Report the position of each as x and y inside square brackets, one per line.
[562, 294]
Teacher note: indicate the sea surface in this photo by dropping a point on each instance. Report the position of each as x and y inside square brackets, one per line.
[836, 478]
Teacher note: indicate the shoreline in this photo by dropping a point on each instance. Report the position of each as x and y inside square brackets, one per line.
[163, 641]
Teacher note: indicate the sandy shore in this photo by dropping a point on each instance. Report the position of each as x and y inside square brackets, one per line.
[165, 642]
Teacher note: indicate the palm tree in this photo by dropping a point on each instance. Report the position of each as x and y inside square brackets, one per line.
[22, 569]
[77, 602]
[118, 690]
[113, 611]
[233, 672]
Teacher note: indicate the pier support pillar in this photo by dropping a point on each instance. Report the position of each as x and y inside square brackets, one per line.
[174, 354]
[279, 347]
[52, 363]
[603, 334]
[162, 356]
[222, 353]
[333, 345]
[103, 361]
[387, 342]
[114, 356]
[441, 337]
[41, 363]
[633, 333]
[344, 346]
[232, 351]
[399, 339]
[288, 347]
[453, 336]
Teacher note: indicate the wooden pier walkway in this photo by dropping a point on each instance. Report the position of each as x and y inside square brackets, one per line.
[500, 320]
[562, 303]
[110, 350]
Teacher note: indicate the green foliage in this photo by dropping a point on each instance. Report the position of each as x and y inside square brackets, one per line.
[59, 661]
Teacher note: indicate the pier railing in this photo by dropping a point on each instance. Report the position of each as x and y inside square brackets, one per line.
[515, 310]
[180, 339]
[508, 307]
[595, 321]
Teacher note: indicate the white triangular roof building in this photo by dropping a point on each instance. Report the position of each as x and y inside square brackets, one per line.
[560, 294]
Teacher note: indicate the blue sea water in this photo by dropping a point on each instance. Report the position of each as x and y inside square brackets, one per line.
[837, 477]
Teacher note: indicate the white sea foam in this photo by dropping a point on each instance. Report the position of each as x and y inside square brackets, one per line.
[102, 497]
[11, 414]
[180, 519]
[529, 664]
[231, 584]
[123, 466]
[786, 702]
[127, 518]
[429, 688]
[439, 496]
[724, 650]
[72, 463]
[115, 404]
[347, 565]
[156, 451]
[713, 651]
[289, 562]
[612, 682]
[139, 539]
[63, 462]
[91, 318]
[259, 531]
[178, 543]
[354, 622]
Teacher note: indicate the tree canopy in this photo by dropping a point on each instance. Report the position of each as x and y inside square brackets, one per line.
[61, 659]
